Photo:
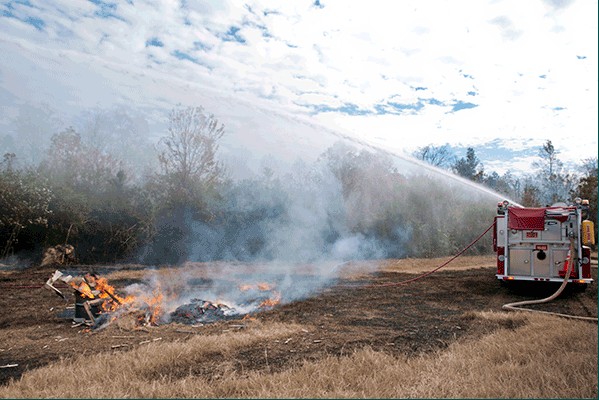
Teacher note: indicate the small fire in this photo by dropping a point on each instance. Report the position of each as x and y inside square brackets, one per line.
[83, 288]
[245, 287]
[263, 286]
[108, 292]
[269, 303]
[148, 305]
[93, 287]
[153, 304]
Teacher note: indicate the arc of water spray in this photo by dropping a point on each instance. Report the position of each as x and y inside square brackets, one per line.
[411, 160]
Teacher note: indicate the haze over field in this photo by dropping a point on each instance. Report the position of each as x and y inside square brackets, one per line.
[501, 75]
[316, 107]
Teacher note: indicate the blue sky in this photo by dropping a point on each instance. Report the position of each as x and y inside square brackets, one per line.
[399, 75]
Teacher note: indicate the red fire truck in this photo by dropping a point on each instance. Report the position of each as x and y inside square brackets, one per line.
[536, 244]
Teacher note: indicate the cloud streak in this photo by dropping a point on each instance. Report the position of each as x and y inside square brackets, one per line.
[375, 67]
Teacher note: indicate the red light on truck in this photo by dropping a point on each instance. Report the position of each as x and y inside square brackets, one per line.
[541, 247]
[586, 262]
[500, 260]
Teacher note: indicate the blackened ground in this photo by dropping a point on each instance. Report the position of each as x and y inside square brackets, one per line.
[420, 317]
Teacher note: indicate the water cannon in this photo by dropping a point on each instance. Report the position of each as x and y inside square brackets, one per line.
[502, 207]
[583, 205]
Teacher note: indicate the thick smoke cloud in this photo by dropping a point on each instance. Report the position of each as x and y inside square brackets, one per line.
[299, 209]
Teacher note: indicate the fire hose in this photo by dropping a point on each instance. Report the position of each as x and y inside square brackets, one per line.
[517, 306]
[436, 269]
[510, 306]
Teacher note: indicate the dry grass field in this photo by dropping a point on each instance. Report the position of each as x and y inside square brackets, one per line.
[444, 336]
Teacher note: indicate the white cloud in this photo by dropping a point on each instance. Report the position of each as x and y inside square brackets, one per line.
[517, 164]
[529, 67]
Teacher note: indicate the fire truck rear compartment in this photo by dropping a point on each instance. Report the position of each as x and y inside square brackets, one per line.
[539, 253]
[527, 261]
[535, 244]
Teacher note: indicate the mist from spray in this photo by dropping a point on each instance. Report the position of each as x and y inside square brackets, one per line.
[415, 162]
[324, 199]
[321, 198]
[294, 231]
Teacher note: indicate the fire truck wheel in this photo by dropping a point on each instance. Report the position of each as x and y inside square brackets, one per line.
[505, 284]
[580, 287]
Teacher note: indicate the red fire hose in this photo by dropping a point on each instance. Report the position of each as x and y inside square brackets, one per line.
[436, 269]
[509, 306]
[29, 287]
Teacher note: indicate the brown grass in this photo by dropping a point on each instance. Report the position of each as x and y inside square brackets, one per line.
[406, 265]
[420, 265]
[546, 357]
[364, 269]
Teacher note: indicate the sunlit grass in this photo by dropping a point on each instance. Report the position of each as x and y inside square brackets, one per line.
[546, 357]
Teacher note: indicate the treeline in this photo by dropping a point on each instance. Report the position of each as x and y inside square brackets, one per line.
[548, 182]
[350, 203]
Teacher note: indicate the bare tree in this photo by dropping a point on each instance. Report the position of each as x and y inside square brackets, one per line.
[530, 196]
[438, 156]
[187, 154]
[589, 166]
[120, 132]
[549, 163]
[74, 164]
[556, 184]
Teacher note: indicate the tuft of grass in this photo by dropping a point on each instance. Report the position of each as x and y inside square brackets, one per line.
[547, 357]
[142, 371]
[420, 265]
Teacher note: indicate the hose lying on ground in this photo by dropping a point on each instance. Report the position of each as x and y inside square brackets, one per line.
[436, 269]
[517, 305]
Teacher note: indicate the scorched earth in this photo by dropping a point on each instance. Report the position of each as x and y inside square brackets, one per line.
[351, 313]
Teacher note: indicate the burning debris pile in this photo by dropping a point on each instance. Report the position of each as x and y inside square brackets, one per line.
[202, 311]
[97, 304]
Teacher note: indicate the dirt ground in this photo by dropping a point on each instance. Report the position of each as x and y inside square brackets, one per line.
[410, 319]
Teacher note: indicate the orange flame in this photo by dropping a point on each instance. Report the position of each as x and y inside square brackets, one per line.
[151, 304]
[108, 292]
[83, 288]
[269, 303]
[154, 304]
[263, 286]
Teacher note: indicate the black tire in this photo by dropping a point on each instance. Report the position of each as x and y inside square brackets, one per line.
[579, 287]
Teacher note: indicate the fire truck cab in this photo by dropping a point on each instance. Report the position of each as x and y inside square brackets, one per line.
[536, 244]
